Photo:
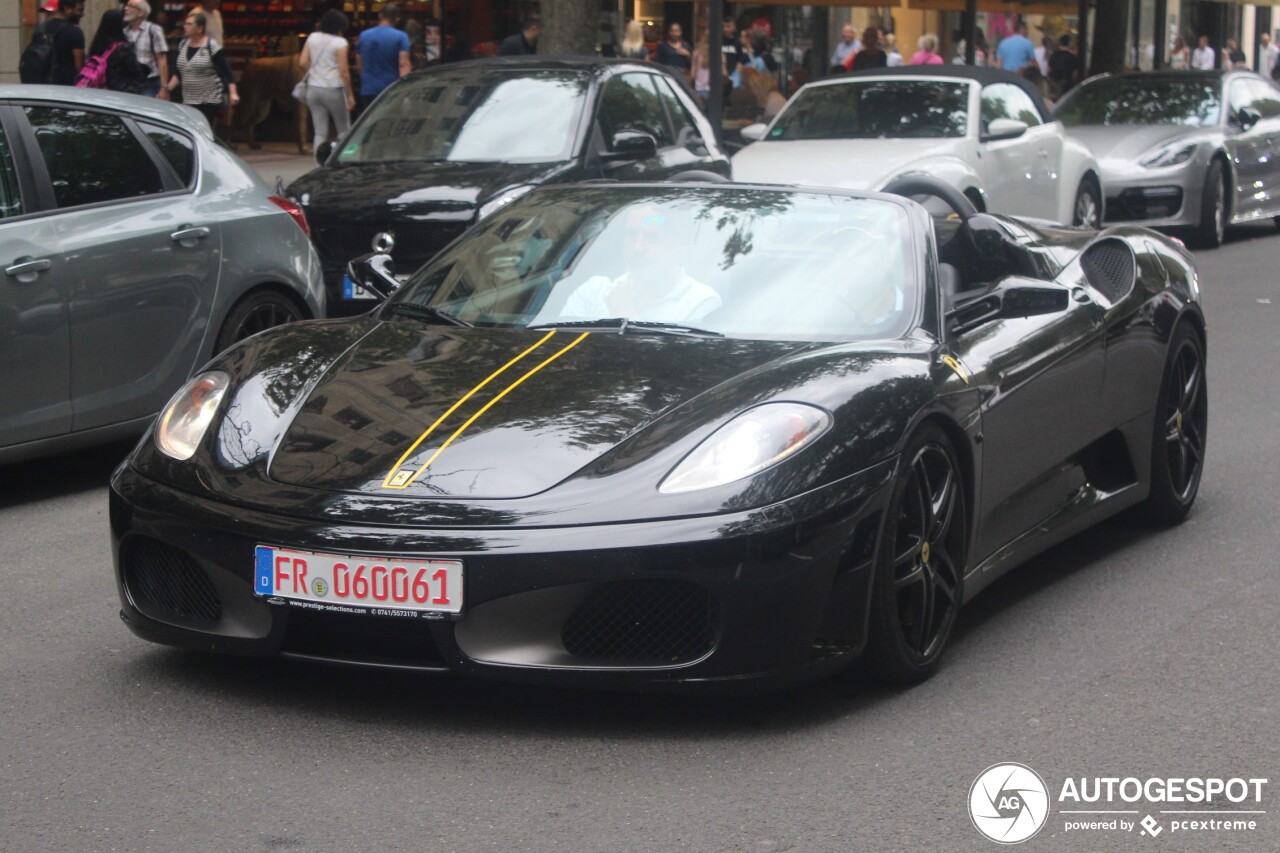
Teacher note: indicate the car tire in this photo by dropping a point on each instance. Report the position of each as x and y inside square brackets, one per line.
[257, 312]
[1086, 211]
[919, 573]
[1179, 431]
[1212, 229]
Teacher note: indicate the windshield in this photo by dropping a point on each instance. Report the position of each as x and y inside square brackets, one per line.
[734, 262]
[475, 118]
[876, 109]
[1143, 100]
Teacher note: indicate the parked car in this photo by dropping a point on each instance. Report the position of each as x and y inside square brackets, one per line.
[1172, 155]
[986, 132]
[649, 435]
[134, 248]
[442, 148]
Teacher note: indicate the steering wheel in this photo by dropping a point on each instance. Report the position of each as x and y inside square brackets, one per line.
[909, 185]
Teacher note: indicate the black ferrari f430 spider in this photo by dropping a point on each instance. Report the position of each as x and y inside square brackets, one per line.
[641, 436]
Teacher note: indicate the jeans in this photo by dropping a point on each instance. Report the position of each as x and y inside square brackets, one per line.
[151, 88]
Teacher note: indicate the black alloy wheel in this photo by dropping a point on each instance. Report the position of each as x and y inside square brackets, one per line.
[1213, 208]
[920, 567]
[1087, 212]
[1181, 425]
[257, 312]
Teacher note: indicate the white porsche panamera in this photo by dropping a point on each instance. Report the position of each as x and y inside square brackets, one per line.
[985, 131]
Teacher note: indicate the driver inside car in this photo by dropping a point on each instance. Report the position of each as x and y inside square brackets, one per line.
[655, 286]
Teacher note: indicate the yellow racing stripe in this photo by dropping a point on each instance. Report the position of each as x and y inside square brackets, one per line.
[396, 474]
[504, 392]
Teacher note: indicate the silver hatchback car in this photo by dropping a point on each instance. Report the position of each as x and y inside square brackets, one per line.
[134, 248]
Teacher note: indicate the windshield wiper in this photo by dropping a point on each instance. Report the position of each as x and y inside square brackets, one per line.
[624, 325]
[424, 312]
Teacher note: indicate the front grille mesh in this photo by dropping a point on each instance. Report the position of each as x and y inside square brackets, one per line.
[650, 622]
[166, 584]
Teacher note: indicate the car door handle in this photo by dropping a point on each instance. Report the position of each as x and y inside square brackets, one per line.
[1079, 294]
[184, 234]
[26, 269]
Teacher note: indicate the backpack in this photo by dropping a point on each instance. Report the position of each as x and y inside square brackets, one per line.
[94, 73]
[36, 63]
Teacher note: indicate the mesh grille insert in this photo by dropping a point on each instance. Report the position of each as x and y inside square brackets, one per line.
[361, 637]
[166, 584]
[643, 622]
[1110, 268]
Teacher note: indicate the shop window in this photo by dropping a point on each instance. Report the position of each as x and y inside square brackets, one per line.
[92, 157]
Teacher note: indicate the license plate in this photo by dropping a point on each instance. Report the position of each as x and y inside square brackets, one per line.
[382, 586]
[351, 290]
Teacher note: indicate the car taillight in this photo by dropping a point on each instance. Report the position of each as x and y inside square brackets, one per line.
[291, 208]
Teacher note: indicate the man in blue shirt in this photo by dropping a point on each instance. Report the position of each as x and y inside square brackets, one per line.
[1016, 51]
[382, 55]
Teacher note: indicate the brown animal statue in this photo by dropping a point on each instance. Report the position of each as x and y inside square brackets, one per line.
[267, 80]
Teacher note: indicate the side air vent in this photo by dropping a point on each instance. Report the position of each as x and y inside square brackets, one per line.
[1110, 267]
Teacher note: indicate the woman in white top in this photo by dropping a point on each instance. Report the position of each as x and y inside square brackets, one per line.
[893, 57]
[329, 94]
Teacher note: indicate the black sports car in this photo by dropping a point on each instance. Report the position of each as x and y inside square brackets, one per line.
[442, 148]
[646, 435]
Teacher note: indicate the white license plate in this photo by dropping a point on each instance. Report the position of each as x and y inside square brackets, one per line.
[383, 585]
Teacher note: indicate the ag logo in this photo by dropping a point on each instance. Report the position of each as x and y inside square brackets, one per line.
[1008, 803]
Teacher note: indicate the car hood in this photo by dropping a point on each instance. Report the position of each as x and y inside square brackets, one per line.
[1122, 146]
[441, 189]
[859, 164]
[492, 413]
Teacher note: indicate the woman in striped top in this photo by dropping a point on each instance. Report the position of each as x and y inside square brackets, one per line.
[203, 71]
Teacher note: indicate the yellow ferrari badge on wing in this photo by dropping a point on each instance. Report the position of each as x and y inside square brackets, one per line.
[954, 364]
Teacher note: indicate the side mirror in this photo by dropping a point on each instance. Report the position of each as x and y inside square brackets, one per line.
[1004, 128]
[376, 273]
[1247, 117]
[324, 150]
[754, 132]
[630, 145]
[1010, 298]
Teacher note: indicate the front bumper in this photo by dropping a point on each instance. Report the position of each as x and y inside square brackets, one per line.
[750, 600]
[1154, 197]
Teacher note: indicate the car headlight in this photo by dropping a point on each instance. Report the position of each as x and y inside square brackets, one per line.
[503, 199]
[1172, 154]
[185, 420]
[751, 442]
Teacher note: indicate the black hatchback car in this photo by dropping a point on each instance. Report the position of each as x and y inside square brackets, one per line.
[443, 148]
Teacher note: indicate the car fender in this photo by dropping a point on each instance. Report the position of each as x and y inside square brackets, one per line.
[1077, 162]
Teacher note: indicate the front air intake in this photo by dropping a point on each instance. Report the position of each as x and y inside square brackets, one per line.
[166, 584]
[642, 622]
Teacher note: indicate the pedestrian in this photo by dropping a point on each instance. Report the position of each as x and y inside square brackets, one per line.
[761, 56]
[1233, 56]
[1179, 55]
[123, 72]
[1064, 68]
[700, 68]
[1032, 74]
[523, 43]
[329, 94]
[1267, 54]
[202, 70]
[212, 10]
[633, 46]
[1015, 51]
[1043, 51]
[67, 41]
[927, 52]
[893, 57]
[149, 47]
[1203, 57]
[382, 55]
[675, 51]
[848, 44]
[731, 50]
[871, 55]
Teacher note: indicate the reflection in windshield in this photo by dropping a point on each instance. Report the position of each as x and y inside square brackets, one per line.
[478, 119]
[742, 263]
[1143, 100]
[886, 109]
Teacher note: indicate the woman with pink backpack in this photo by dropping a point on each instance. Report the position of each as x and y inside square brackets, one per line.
[111, 63]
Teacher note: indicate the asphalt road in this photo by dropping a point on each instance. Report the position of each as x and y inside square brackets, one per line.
[1121, 653]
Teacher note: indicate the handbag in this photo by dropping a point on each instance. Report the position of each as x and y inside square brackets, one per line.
[300, 89]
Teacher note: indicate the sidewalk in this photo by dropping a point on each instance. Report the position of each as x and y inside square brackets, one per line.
[277, 160]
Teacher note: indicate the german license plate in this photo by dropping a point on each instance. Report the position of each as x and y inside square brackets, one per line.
[351, 290]
[382, 586]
